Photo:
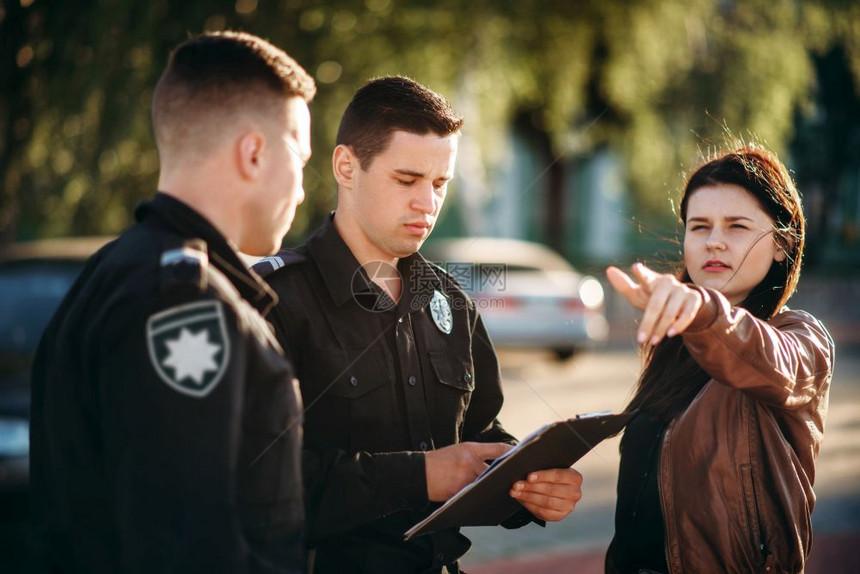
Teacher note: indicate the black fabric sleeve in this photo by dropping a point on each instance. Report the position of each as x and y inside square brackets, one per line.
[343, 491]
[481, 424]
[171, 456]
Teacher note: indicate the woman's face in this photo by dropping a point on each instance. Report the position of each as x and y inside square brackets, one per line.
[729, 242]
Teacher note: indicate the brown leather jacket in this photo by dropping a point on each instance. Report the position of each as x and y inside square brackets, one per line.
[737, 467]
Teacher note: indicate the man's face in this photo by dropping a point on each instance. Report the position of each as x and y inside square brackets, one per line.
[280, 190]
[397, 198]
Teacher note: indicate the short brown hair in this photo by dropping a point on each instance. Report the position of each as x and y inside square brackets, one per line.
[389, 104]
[213, 76]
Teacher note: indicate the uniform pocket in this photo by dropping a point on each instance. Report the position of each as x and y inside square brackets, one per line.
[349, 399]
[453, 372]
[348, 374]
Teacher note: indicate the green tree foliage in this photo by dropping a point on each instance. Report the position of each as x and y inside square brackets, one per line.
[654, 79]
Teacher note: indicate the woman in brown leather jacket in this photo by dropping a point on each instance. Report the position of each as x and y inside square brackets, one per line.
[717, 467]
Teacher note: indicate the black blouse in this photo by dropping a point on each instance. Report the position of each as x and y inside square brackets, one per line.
[639, 541]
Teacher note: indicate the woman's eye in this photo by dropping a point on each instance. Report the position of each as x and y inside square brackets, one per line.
[697, 227]
[406, 182]
[738, 226]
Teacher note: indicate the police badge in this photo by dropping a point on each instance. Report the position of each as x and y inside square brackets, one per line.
[189, 347]
[440, 310]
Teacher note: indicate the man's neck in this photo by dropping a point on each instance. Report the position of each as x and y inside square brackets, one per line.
[211, 198]
[383, 267]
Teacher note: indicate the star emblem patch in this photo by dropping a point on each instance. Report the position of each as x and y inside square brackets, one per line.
[189, 347]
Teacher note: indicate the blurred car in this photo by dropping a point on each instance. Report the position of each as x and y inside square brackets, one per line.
[528, 295]
[34, 278]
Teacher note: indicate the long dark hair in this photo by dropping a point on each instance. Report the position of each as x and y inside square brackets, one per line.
[671, 378]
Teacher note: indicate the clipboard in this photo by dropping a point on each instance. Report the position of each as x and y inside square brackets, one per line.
[487, 502]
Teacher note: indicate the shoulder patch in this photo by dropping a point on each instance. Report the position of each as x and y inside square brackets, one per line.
[185, 266]
[189, 347]
[283, 258]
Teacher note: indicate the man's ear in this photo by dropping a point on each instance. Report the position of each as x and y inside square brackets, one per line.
[249, 155]
[344, 164]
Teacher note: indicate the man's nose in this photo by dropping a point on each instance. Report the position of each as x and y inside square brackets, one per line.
[424, 200]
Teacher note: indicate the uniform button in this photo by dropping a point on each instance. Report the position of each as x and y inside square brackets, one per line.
[467, 377]
[412, 380]
[400, 320]
[423, 445]
[353, 381]
[440, 557]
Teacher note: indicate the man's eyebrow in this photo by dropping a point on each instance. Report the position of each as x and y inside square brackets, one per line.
[409, 172]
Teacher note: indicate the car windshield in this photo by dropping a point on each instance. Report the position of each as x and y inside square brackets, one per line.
[29, 295]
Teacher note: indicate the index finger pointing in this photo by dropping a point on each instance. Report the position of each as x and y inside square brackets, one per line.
[620, 280]
[645, 275]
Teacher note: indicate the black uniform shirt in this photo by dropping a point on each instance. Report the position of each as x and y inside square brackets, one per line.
[381, 383]
[166, 428]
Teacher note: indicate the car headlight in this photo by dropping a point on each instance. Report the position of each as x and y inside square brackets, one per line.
[14, 437]
[591, 292]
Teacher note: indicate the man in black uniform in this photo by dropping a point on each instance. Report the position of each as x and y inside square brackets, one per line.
[400, 380]
[166, 423]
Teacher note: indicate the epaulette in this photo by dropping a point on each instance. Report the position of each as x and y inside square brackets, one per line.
[281, 259]
[185, 267]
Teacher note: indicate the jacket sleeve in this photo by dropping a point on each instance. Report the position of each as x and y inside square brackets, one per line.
[344, 491]
[172, 456]
[481, 424]
[783, 362]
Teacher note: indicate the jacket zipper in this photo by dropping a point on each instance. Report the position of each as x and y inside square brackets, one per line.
[754, 517]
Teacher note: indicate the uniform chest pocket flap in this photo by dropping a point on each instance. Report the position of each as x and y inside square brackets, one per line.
[452, 371]
[350, 374]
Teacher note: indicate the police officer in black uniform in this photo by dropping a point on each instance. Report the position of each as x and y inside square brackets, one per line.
[166, 422]
[400, 381]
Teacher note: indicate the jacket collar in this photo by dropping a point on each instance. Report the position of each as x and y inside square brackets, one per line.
[344, 277]
[168, 212]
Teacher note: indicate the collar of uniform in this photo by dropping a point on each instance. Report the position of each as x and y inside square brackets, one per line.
[187, 222]
[420, 280]
[338, 266]
[335, 261]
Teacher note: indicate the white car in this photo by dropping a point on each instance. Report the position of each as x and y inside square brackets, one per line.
[528, 295]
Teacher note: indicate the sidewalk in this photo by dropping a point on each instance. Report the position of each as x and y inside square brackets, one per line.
[832, 554]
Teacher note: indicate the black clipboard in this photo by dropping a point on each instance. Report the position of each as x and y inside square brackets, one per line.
[487, 502]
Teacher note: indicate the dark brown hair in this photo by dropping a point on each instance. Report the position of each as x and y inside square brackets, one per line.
[671, 378]
[213, 76]
[394, 103]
